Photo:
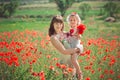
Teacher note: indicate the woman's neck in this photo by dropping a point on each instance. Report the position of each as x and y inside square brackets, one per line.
[58, 32]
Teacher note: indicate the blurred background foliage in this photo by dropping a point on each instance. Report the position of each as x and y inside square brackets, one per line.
[35, 8]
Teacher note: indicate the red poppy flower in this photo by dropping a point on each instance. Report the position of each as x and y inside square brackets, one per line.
[88, 78]
[71, 31]
[81, 28]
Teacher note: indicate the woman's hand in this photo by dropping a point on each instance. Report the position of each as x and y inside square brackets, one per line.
[77, 50]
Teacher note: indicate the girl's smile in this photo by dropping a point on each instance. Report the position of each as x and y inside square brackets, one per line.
[73, 21]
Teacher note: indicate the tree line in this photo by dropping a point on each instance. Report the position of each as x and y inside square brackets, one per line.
[109, 9]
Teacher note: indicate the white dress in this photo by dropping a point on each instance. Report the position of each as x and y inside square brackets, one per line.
[65, 59]
[69, 42]
[75, 43]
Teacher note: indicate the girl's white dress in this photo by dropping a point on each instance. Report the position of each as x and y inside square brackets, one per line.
[69, 42]
[64, 59]
[75, 43]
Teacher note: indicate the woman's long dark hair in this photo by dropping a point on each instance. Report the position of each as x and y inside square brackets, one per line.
[55, 19]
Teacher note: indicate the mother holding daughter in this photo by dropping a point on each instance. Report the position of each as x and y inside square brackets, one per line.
[64, 42]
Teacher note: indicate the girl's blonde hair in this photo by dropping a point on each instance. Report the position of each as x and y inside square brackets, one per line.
[74, 14]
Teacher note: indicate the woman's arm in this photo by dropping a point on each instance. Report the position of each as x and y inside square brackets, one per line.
[58, 45]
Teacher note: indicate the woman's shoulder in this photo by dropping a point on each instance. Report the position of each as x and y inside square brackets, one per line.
[53, 37]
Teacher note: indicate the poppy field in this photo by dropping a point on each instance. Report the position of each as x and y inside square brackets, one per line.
[29, 55]
[26, 52]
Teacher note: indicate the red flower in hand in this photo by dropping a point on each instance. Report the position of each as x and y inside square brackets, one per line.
[71, 31]
[81, 28]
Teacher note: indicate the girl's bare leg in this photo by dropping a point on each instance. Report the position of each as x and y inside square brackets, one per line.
[76, 65]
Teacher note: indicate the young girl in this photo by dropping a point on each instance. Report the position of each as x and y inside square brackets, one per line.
[57, 36]
[74, 40]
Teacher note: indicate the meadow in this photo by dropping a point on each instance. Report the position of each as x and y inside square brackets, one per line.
[27, 54]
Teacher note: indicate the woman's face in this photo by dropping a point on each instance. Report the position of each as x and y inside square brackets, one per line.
[73, 21]
[58, 27]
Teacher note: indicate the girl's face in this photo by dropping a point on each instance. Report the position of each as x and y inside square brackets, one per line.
[73, 21]
[58, 27]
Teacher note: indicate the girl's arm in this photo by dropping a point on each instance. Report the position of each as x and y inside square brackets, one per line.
[58, 45]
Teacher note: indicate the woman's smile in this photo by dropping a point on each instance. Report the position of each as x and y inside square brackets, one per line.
[58, 26]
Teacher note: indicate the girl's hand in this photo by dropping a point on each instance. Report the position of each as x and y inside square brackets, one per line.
[77, 36]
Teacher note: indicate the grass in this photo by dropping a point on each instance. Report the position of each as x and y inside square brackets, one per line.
[37, 11]
[22, 24]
